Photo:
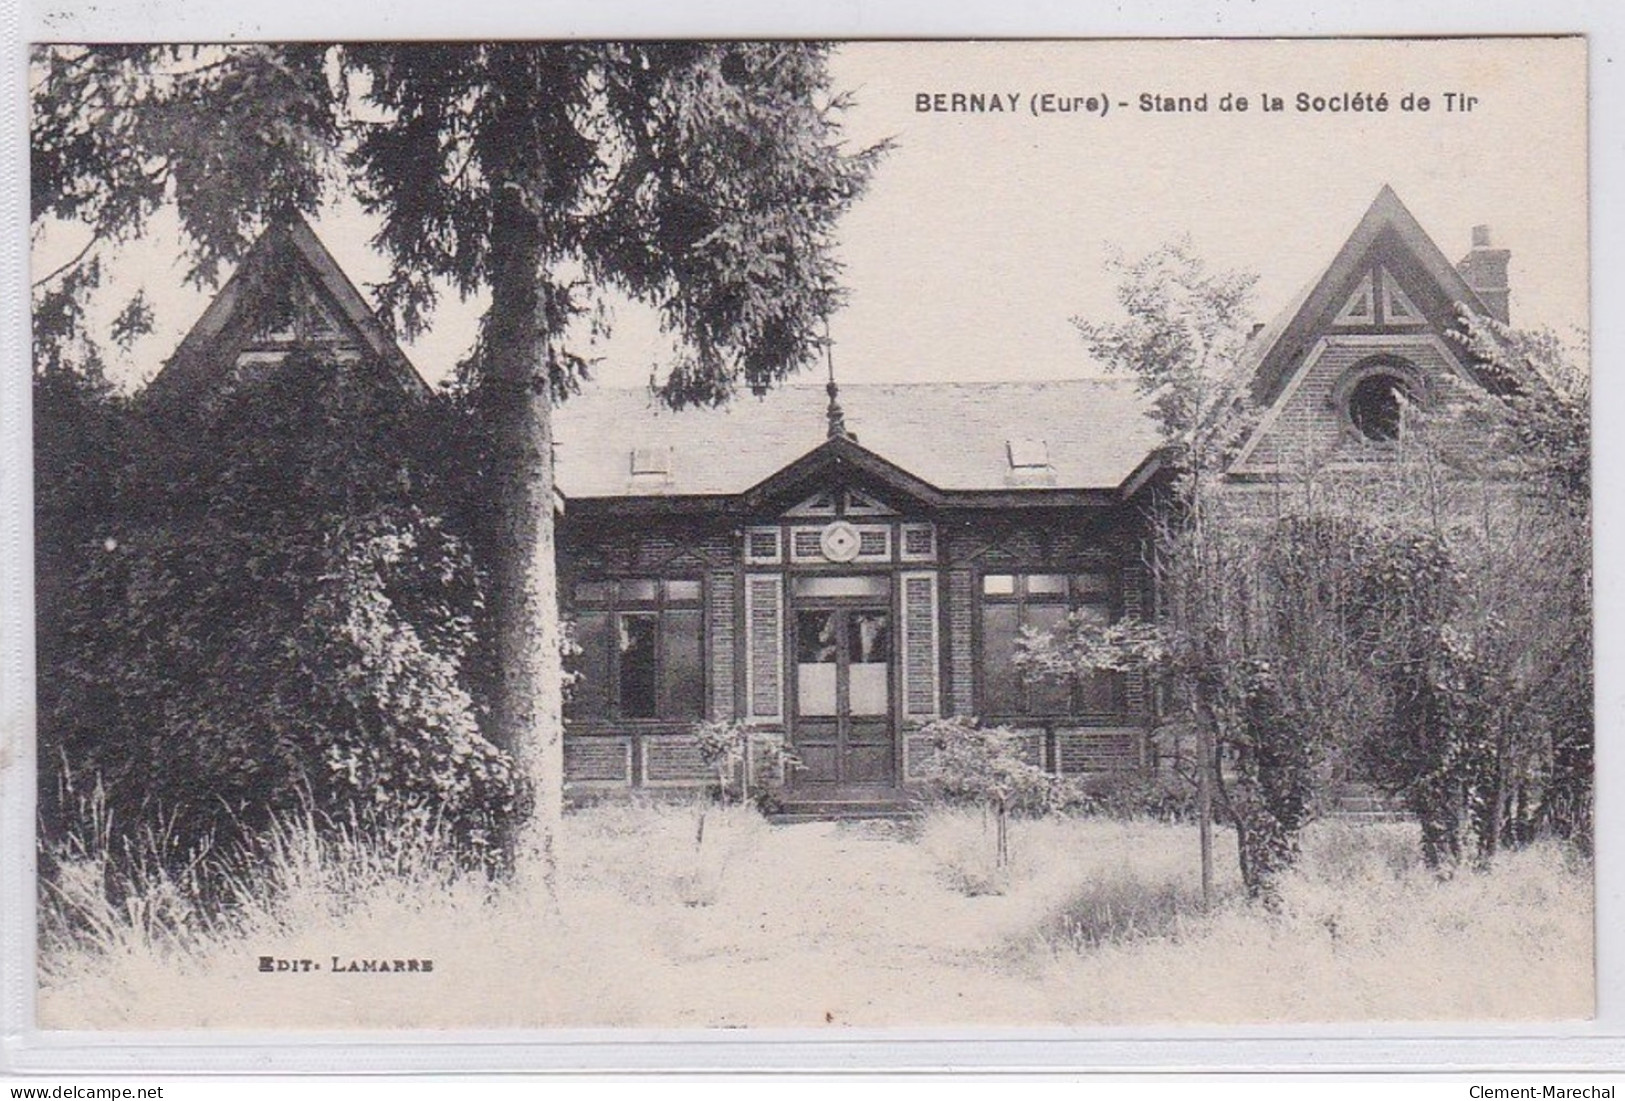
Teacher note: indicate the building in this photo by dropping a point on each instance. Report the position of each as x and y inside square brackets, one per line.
[1329, 371]
[843, 566]
[845, 575]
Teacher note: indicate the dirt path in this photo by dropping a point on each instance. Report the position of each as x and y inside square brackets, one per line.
[844, 926]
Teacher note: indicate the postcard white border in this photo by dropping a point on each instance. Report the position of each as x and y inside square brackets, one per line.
[1598, 1044]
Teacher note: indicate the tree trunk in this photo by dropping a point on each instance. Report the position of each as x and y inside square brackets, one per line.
[1204, 807]
[528, 700]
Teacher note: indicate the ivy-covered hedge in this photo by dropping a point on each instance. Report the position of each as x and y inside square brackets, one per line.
[258, 607]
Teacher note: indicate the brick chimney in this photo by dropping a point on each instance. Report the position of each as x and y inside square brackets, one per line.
[1485, 270]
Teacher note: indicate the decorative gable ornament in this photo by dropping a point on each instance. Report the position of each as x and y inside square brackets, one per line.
[1360, 309]
[1397, 308]
[287, 291]
[1332, 372]
[840, 541]
[297, 315]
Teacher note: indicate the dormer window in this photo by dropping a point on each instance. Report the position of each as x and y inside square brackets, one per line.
[1027, 453]
[652, 463]
[1029, 462]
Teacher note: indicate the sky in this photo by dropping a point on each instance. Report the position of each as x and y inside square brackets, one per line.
[984, 232]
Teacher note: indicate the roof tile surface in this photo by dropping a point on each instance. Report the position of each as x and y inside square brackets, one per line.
[951, 435]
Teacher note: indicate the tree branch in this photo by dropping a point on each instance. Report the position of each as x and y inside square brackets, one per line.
[78, 258]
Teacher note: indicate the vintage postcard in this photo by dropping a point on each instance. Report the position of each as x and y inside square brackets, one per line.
[773, 534]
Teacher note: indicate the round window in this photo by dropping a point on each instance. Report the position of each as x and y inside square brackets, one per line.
[1374, 406]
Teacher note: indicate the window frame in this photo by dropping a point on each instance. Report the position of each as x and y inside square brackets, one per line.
[1404, 377]
[613, 604]
[1074, 599]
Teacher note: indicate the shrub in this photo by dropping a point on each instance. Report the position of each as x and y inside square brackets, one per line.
[985, 766]
[741, 753]
[1132, 794]
[265, 614]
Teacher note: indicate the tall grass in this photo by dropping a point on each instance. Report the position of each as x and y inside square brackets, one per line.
[674, 914]
[1363, 932]
[112, 900]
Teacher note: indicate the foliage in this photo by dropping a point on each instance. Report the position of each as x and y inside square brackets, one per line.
[228, 138]
[260, 617]
[702, 179]
[740, 752]
[985, 765]
[1270, 792]
[1257, 656]
[1181, 339]
[1536, 584]
[1082, 644]
[1425, 624]
[1161, 796]
[1543, 400]
[1467, 642]
[1218, 644]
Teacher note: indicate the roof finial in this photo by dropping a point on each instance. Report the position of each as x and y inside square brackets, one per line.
[837, 418]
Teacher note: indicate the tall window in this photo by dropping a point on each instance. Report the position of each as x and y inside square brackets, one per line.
[1041, 601]
[642, 644]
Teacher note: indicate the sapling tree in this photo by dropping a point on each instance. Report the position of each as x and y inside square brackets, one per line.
[739, 752]
[1180, 338]
[985, 765]
[1248, 641]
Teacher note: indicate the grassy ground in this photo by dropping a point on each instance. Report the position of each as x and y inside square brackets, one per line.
[870, 924]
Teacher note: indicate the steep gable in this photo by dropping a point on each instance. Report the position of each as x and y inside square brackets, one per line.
[287, 292]
[1374, 323]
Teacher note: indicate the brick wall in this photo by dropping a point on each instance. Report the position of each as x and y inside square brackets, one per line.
[1309, 424]
[720, 625]
[961, 638]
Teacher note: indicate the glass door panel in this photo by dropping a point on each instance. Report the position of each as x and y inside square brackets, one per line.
[868, 636]
[817, 653]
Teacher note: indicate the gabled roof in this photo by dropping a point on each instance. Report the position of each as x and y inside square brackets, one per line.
[1275, 350]
[206, 354]
[836, 455]
[950, 437]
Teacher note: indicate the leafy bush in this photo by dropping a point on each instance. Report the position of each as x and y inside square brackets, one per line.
[1133, 794]
[265, 615]
[740, 753]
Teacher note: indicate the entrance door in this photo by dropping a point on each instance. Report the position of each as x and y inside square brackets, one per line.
[843, 727]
